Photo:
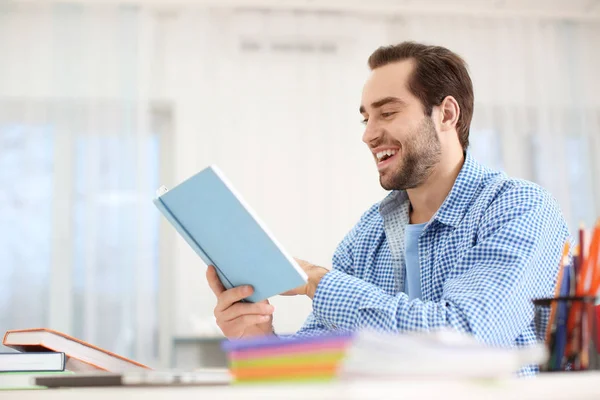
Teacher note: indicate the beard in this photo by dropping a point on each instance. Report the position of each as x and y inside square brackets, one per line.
[420, 154]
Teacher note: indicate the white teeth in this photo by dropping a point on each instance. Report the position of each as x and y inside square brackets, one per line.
[385, 153]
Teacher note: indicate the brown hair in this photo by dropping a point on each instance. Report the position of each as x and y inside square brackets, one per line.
[438, 73]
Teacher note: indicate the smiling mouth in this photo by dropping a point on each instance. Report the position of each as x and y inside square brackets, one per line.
[385, 157]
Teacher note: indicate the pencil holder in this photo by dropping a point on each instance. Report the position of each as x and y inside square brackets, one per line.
[568, 326]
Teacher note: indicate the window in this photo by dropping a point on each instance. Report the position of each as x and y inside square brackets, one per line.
[26, 165]
[112, 246]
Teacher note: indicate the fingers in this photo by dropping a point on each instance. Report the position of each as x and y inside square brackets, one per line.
[240, 326]
[245, 319]
[225, 298]
[231, 296]
[240, 309]
[237, 319]
[213, 281]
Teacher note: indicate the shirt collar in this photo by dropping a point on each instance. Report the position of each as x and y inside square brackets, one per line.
[457, 202]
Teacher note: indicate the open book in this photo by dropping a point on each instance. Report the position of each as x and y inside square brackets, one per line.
[81, 356]
[224, 231]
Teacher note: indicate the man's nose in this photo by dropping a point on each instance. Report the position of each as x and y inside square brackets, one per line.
[372, 134]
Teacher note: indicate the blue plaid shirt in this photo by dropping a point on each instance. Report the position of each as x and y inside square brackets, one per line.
[492, 247]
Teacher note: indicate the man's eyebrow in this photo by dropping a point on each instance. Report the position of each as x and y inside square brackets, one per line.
[381, 102]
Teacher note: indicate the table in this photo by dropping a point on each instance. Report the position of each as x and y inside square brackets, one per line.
[580, 385]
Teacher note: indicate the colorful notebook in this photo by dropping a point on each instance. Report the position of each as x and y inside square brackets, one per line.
[224, 231]
[291, 359]
[265, 343]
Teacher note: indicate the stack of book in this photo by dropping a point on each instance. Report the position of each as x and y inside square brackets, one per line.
[44, 351]
[292, 359]
[17, 370]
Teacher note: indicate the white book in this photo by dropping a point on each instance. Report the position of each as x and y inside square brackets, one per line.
[441, 354]
[28, 362]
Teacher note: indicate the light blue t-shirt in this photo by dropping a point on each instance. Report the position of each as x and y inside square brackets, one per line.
[413, 269]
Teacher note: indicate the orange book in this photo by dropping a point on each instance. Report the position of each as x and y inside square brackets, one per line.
[81, 356]
[291, 371]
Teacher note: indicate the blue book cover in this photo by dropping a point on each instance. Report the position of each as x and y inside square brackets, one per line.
[225, 232]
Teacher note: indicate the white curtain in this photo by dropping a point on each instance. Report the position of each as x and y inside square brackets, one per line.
[79, 162]
[271, 97]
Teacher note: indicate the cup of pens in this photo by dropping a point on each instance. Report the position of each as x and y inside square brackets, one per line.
[568, 322]
[569, 328]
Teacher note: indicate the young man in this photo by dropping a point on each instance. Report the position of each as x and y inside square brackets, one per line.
[453, 245]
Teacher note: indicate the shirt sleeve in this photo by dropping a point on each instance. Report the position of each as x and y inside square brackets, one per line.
[342, 262]
[487, 294]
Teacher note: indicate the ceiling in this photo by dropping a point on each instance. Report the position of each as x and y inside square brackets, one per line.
[564, 9]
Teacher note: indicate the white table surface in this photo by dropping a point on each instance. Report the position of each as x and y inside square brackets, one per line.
[571, 386]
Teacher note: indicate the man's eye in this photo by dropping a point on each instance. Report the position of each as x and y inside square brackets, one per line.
[388, 114]
[364, 121]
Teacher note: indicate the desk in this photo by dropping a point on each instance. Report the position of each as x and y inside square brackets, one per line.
[572, 386]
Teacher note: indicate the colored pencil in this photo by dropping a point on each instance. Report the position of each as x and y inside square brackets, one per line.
[559, 280]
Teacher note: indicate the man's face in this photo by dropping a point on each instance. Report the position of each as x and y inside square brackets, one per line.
[403, 140]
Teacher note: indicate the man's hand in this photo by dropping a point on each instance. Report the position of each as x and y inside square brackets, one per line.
[236, 319]
[314, 277]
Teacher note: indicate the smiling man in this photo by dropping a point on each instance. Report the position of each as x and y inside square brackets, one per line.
[453, 245]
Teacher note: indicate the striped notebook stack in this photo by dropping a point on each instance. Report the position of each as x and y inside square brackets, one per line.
[294, 359]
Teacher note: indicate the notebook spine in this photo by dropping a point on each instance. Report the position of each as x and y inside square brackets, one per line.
[188, 238]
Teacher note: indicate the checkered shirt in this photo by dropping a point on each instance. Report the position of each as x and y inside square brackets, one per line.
[492, 247]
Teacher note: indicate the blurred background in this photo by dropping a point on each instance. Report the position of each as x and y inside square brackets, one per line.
[103, 101]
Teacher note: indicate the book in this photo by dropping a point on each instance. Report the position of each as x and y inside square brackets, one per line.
[440, 354]
[27, 362]
[325, 341]
[25, 380]
[287, 359]
[80, 356]
[225, 232]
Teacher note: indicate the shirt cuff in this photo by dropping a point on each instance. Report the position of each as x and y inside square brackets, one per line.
[337, 300]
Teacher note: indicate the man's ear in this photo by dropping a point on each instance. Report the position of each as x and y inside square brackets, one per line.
[449, 113]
